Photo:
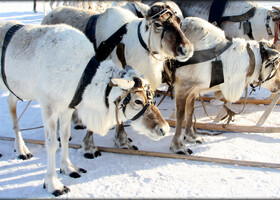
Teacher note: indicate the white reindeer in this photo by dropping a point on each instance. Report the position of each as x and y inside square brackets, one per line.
[244, 62]
[46, 63]
[262, 22]
[147, 44]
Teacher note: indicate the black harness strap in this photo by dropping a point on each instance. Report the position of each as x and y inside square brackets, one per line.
[107, 92]
[138, 14]
[141, 39]
[85, 80]
[90, 30]
[216, 12]
[103, 51]
[6, 41]
[216, 18]
[106, 47]
[205, 55]
[141, 112]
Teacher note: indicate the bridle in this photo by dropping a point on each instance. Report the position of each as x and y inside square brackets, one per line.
[153, 18]
[266, 62]
[126, 97]
[276, 26]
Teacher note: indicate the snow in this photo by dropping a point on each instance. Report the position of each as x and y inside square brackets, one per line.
[129, 176]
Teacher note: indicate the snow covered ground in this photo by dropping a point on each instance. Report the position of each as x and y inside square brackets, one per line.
[127, 176]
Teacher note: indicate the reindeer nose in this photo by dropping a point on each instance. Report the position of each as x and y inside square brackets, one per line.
[160, 131]
[181, 50]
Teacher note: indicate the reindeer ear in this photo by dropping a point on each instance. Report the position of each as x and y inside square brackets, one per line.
[272, 53]
[123, 83]
[142, 8]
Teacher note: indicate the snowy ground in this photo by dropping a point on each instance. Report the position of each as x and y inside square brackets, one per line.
[125, 176]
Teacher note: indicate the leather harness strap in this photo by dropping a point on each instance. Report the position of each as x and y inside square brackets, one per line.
[216, 12]
[121, 54]
[90, 30]
[6, 42]
[102, 52]
[216, 18]
[252, 62]
[205, 55]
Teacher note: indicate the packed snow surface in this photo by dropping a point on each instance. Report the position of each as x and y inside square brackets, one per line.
[130, 176]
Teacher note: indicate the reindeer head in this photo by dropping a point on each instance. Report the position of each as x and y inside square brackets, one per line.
[270, 73]
[163, 27]
[137, 104]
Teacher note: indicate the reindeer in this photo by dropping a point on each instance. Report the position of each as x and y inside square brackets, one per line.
[238, 63]
[145, 46]
[56, 66]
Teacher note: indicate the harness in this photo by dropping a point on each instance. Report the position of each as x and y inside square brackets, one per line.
[121, 47]
[216, 18]
[90, 30]
[127, 97]
[10, 33]
[266, 63]
[204, 56]
[102, 52]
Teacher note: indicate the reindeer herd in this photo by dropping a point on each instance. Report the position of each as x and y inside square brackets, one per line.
[101, 69]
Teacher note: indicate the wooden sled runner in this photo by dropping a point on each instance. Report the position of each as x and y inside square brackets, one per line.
[166, 155]
[235, 128]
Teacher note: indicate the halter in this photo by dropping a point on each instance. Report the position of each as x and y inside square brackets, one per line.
[127, 97]
[10, 33]
[266, 63]
[154, 17]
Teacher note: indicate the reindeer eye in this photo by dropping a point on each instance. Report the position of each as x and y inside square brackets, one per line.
[157, 24]
[138, 102]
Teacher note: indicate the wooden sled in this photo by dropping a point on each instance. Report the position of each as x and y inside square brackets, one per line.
[272, 101]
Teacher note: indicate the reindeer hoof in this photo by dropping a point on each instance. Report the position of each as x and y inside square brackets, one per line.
[134, 147]
[79, 127]
[1, 155]
[29, 155]
[23, 157]
[130, 140]
[89, 155]
[74, 175]
[190, 151]
[61, 192]
[82, 170]
[97, 153]
[92, 156]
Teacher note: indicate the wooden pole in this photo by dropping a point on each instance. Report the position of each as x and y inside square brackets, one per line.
[268, 110]
[249, 100]
[166, 155]
[234, 128]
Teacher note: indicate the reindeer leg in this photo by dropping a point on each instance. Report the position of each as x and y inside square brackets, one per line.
[190, 135]
[177, 145]
[88, 147]
[51, 181]
[121, 139]
[20, 146]
[66, 166]
[77, 122]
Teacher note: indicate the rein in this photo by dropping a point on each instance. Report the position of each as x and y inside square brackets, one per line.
[10, 33]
